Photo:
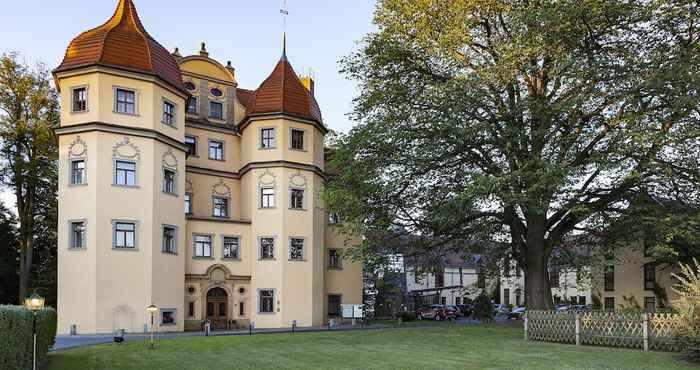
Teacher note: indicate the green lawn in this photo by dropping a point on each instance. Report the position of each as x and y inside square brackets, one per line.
[442, 347]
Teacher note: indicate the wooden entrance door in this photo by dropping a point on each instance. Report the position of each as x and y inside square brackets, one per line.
[217, 308]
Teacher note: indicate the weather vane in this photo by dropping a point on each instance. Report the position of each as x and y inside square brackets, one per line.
[284, 13]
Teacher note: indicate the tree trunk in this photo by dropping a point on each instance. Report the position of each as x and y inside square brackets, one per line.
[537, 290]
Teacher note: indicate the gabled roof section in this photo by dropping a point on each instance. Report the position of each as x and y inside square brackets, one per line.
[122, 42]
[244, 96]
[283, 93]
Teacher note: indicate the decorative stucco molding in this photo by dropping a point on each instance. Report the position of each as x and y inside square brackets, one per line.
[267, 178]
[169, 159]
[77, 148]
[126, 149]
[298, 180]
[220, 188]
[188, 186]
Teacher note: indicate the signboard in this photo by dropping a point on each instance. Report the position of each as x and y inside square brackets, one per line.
[352, 311]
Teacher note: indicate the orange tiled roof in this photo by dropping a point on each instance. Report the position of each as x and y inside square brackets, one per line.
[283, 92]
[122, 42]
[244, 96]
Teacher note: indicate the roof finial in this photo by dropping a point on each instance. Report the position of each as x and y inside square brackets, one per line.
[203, 51]
[284, 13]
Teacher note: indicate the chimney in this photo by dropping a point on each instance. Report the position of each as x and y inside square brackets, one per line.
[203, 51]
[308, 83]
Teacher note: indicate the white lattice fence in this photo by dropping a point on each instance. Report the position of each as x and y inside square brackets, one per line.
[655, 331]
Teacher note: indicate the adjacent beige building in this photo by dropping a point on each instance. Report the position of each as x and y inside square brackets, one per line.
[180, 189]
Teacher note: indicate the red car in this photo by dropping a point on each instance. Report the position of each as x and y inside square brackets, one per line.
[436, 312]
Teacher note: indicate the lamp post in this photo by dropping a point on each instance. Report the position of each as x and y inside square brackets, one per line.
[152, 309]
[34, 303]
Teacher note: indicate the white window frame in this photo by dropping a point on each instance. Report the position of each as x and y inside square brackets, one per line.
[70, 172]
[274, 197]
[274, 302]
[172, 124]
[196, 145]
[260, 248]
[274, 138]
[87, 98]
[303, 198]
[115, 90]
[71, 239]
[188, 199]
[223, 247]
[136, 172]
[211, 246]
[303, 248]
[174, 241]
[223, 149]
[114, 235]
[228, 206]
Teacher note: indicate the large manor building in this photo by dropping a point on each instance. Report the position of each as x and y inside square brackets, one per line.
[182, 190]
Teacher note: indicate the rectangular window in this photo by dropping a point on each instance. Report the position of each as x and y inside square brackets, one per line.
[554, 277]
[167, 317]
[77, 235]
[440, 279]
[267, 248]
[267, 136]
[443, 300]
[126, 101]
[191, 143]
[202, 245]
[518, 297]
[125, 173]
[169, 239]
[188, 203]
[573, 300]
[232, 248]
[169, 181]
[216, 150]
[220, 207]
[334, 259]
[296, 200]
[216, 110]
[609, 278]
[192, 105]
[241, 309]
[458, 300]
[124, 235]
[80, 99]
[267, 198]
[297, 139]
[610, 303]
[506, 296]
[481, 280]
[649, 276]
[77, 172]
[650, 304]
[334, 309]
[169, 113]
[582, 300]
[267, 301]
[190, 309]
[334, 218]
[296, 249]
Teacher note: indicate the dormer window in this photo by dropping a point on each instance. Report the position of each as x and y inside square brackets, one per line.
[80, 99]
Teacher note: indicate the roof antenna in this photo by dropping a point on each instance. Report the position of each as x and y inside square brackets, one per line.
[284, 13]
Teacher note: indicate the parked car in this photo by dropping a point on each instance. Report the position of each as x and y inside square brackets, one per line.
[517, 313]
[562, 307]
[466, 309]
[443, 313]
[455, 309]
[500, 309]
[583, 307]
[426, 312]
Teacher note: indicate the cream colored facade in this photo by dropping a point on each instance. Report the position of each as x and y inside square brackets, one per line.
[103, 287]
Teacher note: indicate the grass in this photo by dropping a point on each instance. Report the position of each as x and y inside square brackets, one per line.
[441, 347]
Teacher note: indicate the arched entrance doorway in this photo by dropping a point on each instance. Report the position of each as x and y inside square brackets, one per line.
[217, 308]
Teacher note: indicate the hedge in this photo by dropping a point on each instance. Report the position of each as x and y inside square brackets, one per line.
[16, 348]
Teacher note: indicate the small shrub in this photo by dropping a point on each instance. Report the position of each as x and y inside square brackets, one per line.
[688, 306]
[17, 341]
[483, 309]
[407, 316]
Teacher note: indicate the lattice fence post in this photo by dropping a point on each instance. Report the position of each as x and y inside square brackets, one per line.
[645, 329]
[578, 330]
[525, 323]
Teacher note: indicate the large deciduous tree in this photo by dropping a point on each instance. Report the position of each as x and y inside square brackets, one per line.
[518, 122]
[28, 114]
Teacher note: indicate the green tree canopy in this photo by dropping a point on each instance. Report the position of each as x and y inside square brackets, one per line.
[518, 122]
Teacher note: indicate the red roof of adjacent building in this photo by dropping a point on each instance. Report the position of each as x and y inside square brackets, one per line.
[122, 42]
[282, 92]
[244, 96]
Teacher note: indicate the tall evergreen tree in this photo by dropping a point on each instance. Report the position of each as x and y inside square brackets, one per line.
[518, 122]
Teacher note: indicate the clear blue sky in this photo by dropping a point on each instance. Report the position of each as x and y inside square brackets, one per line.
[248, 33]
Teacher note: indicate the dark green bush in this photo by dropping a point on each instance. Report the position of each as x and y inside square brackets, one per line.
[407, 316]
[16, 349]
[483, 309]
